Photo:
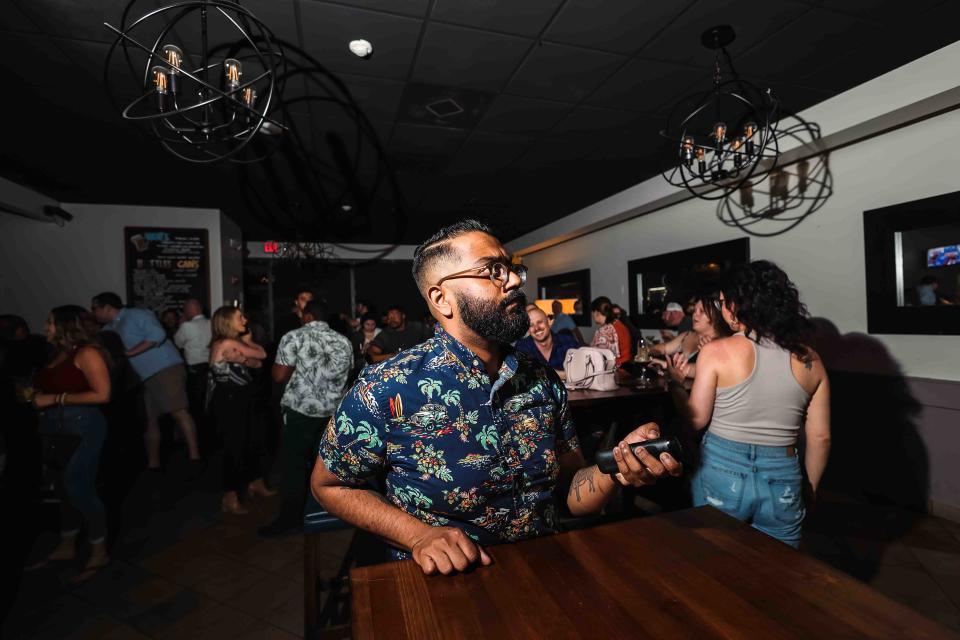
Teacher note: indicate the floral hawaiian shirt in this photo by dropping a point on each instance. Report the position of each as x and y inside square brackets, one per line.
[455, 448]
[321, 359]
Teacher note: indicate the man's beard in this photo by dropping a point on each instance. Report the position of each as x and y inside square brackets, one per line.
[492, 320]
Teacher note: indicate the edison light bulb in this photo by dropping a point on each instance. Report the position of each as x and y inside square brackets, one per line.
[749, 130]
[233, 69]
[161, 82]
[249, 96]
[735, 147]
[720, 132]
[686, 151]
[701, 160]
[174, 57]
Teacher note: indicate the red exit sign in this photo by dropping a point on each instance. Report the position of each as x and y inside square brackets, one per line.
[271, 247]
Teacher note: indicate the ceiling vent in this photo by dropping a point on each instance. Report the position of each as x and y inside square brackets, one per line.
[445, 108]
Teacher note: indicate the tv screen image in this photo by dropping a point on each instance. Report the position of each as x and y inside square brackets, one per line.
[943, 256]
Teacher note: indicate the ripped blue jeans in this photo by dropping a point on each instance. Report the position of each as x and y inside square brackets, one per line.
[762, 486]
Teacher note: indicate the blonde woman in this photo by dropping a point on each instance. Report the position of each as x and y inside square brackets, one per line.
[233, 353]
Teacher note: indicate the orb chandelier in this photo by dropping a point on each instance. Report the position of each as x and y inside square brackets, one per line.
[301, 251]
[722, 138]
[206, 98]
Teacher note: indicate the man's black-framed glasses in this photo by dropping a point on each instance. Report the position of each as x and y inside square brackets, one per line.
[497, 270]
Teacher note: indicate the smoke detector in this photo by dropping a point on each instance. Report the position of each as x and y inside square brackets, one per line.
[361, 49]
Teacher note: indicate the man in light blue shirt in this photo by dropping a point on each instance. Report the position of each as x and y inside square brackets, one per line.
[159, 365]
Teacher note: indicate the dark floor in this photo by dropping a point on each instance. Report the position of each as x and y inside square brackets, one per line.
[182, 569]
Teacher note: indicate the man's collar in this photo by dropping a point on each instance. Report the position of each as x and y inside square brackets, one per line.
[471, 360]
[317, 323]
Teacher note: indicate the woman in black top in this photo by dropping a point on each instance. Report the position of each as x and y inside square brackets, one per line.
[233, 354]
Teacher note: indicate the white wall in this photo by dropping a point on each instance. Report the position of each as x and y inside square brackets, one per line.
[43, 265]
[824, 254]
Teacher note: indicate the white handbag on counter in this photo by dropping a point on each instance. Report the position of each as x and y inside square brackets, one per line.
[590, 368]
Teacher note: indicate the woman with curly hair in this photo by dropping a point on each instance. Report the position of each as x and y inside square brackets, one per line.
[753, 392]
[69, 393]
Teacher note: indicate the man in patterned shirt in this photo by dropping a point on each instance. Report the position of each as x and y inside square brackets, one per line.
[314, 361]
[473, 439]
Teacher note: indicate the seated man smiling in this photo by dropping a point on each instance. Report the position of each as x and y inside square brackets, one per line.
[543, 345]
[474, 439]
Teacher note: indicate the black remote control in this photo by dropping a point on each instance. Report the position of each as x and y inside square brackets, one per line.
[608, 464]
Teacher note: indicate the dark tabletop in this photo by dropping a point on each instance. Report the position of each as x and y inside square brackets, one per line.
[586, 398]
[693, 573]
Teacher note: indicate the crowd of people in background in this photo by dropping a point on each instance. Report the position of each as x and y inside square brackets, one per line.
[223, 384]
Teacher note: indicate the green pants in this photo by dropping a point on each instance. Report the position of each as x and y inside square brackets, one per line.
[298, 451]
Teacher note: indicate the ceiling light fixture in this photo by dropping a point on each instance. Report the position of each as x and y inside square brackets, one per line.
[722, 139]
[206, 104]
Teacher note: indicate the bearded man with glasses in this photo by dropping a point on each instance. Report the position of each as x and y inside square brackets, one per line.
[474, 439]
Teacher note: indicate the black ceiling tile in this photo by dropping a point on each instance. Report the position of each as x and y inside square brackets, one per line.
[919, 33]
[328, 30]
[883, 11]
[422, 140]
[13, 19]
[485, 153]
[470, 58]
[623, 26]
[560, 72]
[516, 114]
[649, 85]
[416, 8]
[526, 18]
[278, 16]
[126, 78]
[793, 54]
[554, 150]
[377, 97]
[38, 62]
[78, 18]
[753, 20]
[597, 120]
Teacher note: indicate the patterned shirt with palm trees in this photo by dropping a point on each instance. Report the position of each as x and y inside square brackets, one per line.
[456, 449]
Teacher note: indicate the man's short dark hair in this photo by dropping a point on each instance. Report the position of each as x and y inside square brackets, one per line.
[316, 308]
[929, 280]
[397, 307]
[107, 298]
[304, 289]
[437, 246]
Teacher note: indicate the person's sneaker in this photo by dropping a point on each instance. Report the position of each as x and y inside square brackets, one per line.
[280, 527]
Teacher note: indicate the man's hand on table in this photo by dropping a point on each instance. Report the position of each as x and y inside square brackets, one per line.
[642, 469]
[447, 550]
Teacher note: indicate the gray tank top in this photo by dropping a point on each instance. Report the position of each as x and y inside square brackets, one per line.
[765, 409]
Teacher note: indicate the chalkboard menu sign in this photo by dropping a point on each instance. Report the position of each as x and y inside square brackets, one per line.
[165, 267]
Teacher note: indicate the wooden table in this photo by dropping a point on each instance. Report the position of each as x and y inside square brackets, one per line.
[694, 573]
[586, 398]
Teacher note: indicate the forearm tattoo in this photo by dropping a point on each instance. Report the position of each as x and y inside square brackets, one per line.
[583, 477]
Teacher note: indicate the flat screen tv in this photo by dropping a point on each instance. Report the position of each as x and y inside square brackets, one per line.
[943, 256]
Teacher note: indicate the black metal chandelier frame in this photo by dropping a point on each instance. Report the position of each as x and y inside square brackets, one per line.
[196, 129]
[715, 164]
